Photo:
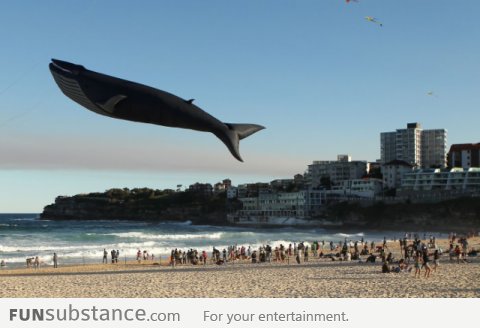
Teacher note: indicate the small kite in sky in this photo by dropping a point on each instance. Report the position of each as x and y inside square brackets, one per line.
[373, 20]
[431, 94]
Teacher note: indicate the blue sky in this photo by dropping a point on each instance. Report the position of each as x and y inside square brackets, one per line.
[322, 79]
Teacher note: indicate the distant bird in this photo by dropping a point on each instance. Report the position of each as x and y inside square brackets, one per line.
[373, 20]
[431, 94]
[348, 1]
[117, 98]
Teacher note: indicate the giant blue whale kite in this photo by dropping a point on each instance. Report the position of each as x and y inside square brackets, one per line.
[118, 98]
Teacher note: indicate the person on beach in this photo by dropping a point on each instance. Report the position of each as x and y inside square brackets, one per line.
[385, 268]
[105, 258]
[36, 263]
[139, 256]
[254, 257]
[364, 250]
[436, 260]
[55, 260]
[464, 248]
[417, 265]
[371, 258]
[458, 253]
[204, 257]
[406, 250]
[390, 258]
[348, 256]
[425, 264]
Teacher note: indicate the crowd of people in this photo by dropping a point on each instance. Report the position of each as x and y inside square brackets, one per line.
[34, 262]
[415, 254]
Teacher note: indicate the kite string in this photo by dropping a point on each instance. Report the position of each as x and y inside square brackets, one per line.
[20, 77]
[23, 113]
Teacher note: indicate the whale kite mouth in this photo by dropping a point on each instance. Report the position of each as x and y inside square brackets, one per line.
[64, 67]
[68, 78]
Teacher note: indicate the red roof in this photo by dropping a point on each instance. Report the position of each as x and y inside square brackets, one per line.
[460, 147]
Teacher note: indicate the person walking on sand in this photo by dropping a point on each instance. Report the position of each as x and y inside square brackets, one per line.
[55, 260]
[105, 256]
[204, 257]
[172, 258]
[425, 264]
[417, 265]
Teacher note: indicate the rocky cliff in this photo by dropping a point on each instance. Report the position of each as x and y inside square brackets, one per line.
[140, 205]
[462, 214]
[166, 205]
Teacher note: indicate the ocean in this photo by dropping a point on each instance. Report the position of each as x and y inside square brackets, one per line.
[76, 242]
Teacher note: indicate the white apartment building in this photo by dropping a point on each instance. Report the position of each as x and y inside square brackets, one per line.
[283, 204]
[434, 148]
[357, 188]
[291, 204]
[418, 147]
[459, 179]
[464, 155]
[393, 172]
[338, 171]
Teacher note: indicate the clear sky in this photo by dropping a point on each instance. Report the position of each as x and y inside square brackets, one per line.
[322, 79]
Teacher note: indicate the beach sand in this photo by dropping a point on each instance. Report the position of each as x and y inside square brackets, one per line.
[316, 278]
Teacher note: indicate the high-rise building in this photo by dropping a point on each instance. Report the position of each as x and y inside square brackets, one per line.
[418, 147]
[388, 147]
[434, 148]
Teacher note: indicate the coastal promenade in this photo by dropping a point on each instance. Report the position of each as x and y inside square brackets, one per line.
[315, 278]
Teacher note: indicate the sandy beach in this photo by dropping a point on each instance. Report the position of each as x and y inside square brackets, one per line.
[316, 278]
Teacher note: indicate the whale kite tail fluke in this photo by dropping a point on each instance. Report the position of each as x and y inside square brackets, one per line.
[236, 132]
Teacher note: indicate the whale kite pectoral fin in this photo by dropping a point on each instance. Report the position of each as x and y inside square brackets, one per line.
[189, 101]
[236, 132]
[109, 105]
